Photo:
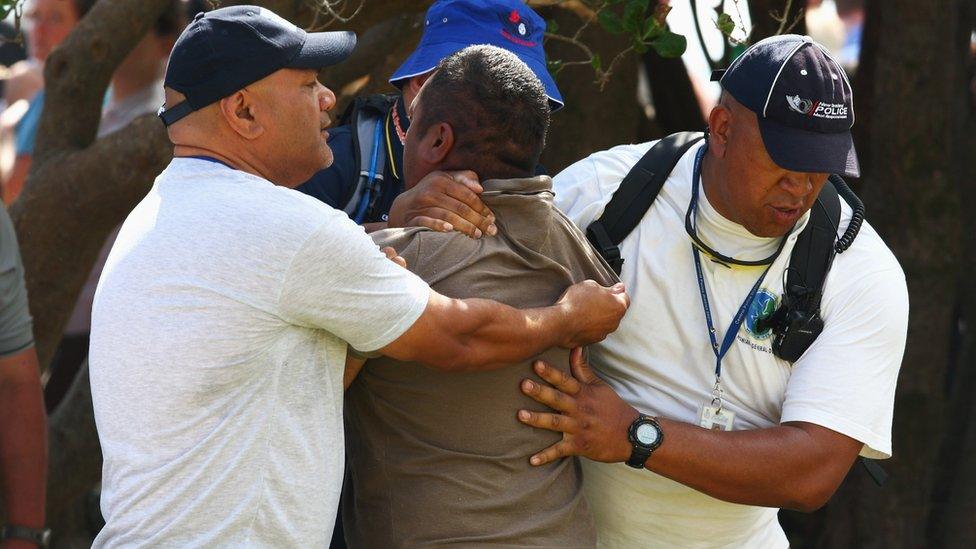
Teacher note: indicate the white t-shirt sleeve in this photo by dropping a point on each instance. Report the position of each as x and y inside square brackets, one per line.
[340, 282]
[846, 380]
[584, 189]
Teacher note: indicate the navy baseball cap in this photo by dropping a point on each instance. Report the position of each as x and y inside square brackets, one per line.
[803, 101]
[224, 50]
[452, 25]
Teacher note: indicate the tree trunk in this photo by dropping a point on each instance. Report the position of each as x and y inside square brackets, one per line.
[675, 103]
[74, 469]
[911, 136]
[593, 119]
[76, 193]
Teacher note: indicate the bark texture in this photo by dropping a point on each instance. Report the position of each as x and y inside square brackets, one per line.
[914, 138]
[593, 118]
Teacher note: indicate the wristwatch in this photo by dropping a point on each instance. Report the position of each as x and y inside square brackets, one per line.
[42, 537]
[645, 436]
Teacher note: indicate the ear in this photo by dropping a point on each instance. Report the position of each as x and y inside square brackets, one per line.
[437, 143]
[719, 126]
[238, 110]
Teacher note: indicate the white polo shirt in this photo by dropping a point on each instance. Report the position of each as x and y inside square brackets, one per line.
[660, 359]
[219, 336]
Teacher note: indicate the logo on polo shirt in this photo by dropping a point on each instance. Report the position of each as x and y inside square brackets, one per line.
[818, 109]
[761, 308]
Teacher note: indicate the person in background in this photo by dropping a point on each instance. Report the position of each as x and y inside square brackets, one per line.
[23, 429]
[49, 22]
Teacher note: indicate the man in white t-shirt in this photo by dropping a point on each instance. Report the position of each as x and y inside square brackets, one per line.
[222, 318]
[776, 434]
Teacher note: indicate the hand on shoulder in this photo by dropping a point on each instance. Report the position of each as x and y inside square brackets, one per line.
[445, 201]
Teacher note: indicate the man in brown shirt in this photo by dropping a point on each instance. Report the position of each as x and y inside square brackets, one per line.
[440, 459]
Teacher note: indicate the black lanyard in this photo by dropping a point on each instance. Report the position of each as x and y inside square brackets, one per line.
[740, 316]
[691, 226]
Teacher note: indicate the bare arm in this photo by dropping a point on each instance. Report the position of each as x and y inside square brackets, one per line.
[794, 465]
[23, 439]
[354, 365]
[479, 334]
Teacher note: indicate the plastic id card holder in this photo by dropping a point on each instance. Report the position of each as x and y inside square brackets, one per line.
[715, 418]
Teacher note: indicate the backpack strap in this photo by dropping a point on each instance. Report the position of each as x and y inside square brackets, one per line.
[636, 194]
[366, 115]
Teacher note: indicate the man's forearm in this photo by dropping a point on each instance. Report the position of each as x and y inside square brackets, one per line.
[784, 466]
[480, 334]
[499, 334]
[23, 440]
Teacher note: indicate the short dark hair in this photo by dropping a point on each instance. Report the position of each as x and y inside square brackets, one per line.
[497, 107]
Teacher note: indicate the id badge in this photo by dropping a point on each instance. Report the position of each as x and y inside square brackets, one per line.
[715, 418]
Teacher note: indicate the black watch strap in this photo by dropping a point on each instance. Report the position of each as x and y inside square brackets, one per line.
[637, 457]
[42, 537]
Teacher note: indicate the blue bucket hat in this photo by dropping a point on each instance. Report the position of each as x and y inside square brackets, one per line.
[452, 25]
[803, 101]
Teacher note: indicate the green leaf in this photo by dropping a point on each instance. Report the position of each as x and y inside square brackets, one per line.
[725, 24]
[652, 30]
[634, 16]
[596, 62]
[552, 26]
[640, 47]
[611, 22]
[670, 44]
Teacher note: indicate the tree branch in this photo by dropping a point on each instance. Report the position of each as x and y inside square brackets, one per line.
[583, 11]
[70, 177]
[75, 462]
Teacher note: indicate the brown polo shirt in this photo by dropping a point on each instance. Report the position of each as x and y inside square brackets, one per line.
[439, 458]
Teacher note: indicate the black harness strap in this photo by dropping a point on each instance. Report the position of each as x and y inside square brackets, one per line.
[636, 194]
[813, 252]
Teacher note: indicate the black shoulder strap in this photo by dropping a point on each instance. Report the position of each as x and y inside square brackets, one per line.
[636, 194]
[814, 253]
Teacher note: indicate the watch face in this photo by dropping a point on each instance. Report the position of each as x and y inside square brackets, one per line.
[646, 434]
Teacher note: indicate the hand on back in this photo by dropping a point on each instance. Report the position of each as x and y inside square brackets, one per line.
[445, 201]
